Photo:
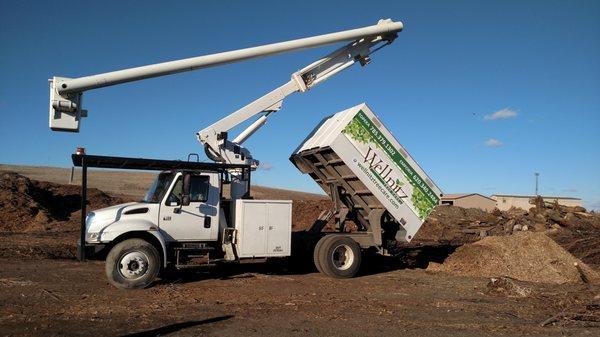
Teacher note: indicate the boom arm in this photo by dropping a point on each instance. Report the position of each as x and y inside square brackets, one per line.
[65, 108]
[214, 137]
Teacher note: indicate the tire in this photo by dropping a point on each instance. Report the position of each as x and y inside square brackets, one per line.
[132, 264]
[339, 257]
[316, 251]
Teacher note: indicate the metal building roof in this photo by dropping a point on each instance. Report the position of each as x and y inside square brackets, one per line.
[533, 196]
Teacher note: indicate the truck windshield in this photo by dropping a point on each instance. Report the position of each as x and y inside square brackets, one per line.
[159, 187]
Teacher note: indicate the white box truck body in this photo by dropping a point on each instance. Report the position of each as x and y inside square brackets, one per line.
[263, 228]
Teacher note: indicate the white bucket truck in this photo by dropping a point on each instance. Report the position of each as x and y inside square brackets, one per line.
[186, 220]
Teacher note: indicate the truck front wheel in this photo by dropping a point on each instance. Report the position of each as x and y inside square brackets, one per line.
[339, 256]
[132, 264]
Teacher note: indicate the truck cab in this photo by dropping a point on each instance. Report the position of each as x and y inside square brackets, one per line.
[194, 219]
[185, 221]
[165, 209]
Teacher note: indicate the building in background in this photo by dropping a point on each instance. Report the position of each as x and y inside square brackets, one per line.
[505, 201]
[469, 200]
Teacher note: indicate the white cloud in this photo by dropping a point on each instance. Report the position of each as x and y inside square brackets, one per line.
[505, 113]
[493, 142]
[264, 166]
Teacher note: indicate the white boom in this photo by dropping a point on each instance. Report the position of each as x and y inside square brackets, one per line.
[166, 68]
[66, 93]
[214, 137]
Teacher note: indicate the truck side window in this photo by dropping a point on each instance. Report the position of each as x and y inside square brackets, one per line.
[199, 188]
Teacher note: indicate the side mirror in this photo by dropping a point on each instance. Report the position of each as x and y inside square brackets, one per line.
[185, 196]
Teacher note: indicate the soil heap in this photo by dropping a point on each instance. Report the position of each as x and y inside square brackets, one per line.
[573, 228]
[30, 205]
[305, 212]
[524, 256]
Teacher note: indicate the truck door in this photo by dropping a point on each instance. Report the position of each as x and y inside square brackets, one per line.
[198, 221]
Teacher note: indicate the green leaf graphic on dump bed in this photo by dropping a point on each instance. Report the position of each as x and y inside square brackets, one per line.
[357, 132]
[361, 130]
[421, 203]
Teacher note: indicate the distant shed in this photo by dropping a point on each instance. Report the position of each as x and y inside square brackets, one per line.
[506, 201]
[469, 200]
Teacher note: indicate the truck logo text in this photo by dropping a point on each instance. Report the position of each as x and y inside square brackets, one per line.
[383, 170]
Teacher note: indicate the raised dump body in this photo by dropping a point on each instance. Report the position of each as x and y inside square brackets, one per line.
[369, 175]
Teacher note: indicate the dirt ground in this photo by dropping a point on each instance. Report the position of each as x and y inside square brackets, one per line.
[65, 297]
[44, 291]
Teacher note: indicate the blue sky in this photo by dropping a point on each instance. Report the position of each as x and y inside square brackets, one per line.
[454, 64]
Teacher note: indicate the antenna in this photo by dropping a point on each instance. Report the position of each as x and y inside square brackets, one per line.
[537, 175]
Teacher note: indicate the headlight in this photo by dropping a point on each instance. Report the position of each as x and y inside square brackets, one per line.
[92, 237]
[89, 218]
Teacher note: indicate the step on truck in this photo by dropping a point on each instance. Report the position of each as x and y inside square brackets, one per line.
[186, 219]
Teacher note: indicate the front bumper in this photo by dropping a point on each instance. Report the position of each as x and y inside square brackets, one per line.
[89, 251]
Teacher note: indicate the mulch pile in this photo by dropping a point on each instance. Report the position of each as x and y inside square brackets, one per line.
[455, 225]
[573, 228]
[524, 256]
[28, 205]
[305, 212]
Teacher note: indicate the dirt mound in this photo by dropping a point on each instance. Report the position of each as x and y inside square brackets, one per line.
[30, 205]
[573, 228]
[456, 225]
[524, 256]
[585, 245]
[451, 224]
[263, 192]
[305, 212]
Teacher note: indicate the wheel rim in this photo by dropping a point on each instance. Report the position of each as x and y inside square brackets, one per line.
[134, 265]
[342, 257]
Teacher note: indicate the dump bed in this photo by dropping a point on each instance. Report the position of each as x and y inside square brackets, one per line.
[355, 153]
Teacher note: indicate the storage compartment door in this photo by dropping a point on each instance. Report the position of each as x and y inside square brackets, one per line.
[279, 229]
[254, 230]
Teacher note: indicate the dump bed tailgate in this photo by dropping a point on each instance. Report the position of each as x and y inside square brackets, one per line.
[354, 151]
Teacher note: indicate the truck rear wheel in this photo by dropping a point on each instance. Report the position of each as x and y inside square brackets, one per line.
[132, 264]
[339, 256]
[317, 250]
